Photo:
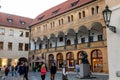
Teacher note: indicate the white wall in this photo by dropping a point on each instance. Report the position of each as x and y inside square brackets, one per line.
[113, 41]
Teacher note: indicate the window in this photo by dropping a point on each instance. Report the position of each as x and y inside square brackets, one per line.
[79, 15]
[100, 37]
[20, 46]
[61, 39]
[62, 21]
[11, 33]
[82, 40]
[83, 13]
[1, 45]
[52, 24]
[55, 12]
[59, 22]
[9, 45]
[68, 18]
[68, 42]
[50, 45]
[26, 47]
[2, 31]
[22, 22]
[97, 8]
[10, 20]
[40, 46]
[71, 17]
[27, 34]
[93, 11]
[74, 3]
[41, 17]
[91, 39]
[21, 33]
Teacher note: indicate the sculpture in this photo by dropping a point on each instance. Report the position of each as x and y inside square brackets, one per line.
[84, 58]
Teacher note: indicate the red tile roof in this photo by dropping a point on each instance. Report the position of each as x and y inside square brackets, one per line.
[61, 8]
[17, 20]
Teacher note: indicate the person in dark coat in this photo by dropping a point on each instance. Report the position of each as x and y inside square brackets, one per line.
[26, 70]
[7, 70]
[53, 71]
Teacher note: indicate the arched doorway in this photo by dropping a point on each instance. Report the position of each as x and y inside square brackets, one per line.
[51, 59]
[96, 61]
[59, 60]
[70, 60]
[79, 56]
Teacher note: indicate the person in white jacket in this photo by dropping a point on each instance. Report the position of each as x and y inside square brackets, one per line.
[64, 73]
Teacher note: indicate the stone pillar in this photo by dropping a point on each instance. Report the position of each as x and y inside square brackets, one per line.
[48, 44]
[76, 40]
[88, 38]
[56, 43]
[65, 41]
[84, 70]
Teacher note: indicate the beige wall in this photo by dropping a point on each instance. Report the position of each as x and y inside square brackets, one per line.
[14, 53]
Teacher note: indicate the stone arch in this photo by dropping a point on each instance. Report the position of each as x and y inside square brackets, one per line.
[79, 56]
[59, 60]
[70, 60]
[82, 34]
[96, 31]
[50, 59]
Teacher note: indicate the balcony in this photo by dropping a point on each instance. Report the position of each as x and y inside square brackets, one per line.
[72, 47]
[98, 44]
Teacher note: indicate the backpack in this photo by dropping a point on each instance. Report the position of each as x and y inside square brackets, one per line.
[21, 70]
[6, 69]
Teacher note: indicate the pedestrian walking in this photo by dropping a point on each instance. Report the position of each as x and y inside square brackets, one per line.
[21, 71]
[43, 71]
[64, 72]
[53, 71]
[77, 68]
[12, 70]
[6, 71]
[26, 68]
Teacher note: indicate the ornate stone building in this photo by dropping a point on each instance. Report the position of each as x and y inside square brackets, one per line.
[63, 32]
[14, 38]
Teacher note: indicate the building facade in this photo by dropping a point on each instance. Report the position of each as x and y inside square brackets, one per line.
[113, 40]
[63, 32]
[14, 38]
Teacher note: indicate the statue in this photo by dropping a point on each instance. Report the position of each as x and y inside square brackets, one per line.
[84, 66]
[84, 58]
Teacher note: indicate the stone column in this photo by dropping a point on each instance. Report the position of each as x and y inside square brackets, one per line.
[65, 41]
[88, 38]
[56, 43]
[76, 40]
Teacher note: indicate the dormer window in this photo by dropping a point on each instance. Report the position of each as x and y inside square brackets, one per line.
[74, 3]
[55, 12]
[41, 17]
[10, 20]
[22, 22]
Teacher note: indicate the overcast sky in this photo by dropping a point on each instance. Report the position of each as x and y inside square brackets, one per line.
[27, 8]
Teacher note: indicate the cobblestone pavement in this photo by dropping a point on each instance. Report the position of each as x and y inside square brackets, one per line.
[71, 76]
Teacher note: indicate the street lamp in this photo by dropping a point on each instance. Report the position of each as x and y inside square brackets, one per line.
[107, 15]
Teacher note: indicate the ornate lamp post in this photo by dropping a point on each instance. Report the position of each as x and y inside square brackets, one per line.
[107, 16]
